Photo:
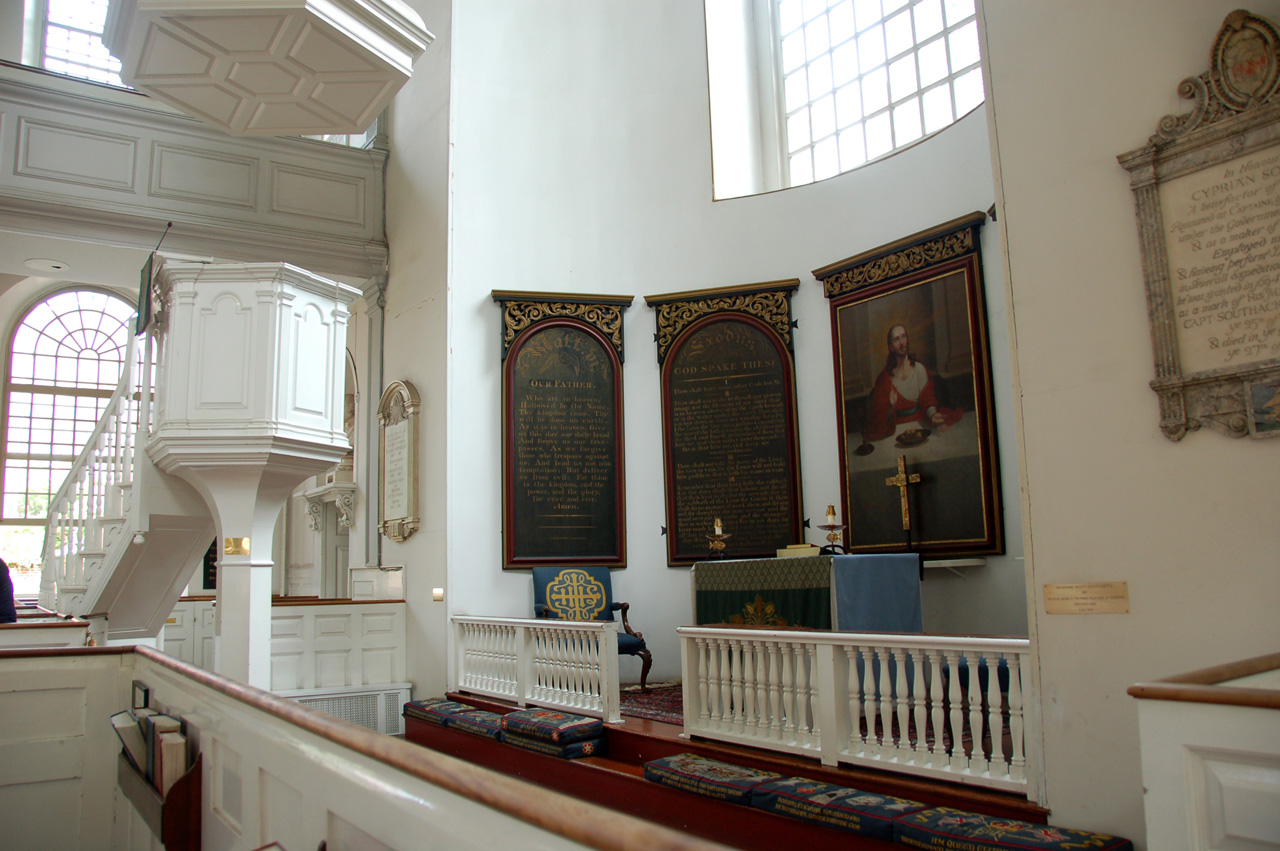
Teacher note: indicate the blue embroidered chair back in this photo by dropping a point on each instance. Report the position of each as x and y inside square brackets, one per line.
[573, 593]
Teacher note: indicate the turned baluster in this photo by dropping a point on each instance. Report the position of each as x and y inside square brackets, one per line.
[776, 720]
[977, 761]
[704, 654]
[1017, 762]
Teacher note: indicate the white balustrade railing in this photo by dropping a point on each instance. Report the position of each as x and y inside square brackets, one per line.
[97, 486]
[565, 665]
[939, 706]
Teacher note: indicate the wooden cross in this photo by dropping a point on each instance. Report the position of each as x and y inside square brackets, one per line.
[900, 482]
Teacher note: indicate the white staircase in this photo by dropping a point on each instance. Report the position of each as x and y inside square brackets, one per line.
[123, 538]
[235, 386]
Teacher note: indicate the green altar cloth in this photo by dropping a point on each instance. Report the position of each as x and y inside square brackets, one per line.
[793, 592]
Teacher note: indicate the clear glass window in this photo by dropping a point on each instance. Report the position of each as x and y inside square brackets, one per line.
[64, 364]
[863, 78]
[72, 41]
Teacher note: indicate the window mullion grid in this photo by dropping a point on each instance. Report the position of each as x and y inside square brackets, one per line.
[915, 125]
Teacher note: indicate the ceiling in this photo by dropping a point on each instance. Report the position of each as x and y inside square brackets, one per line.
[85, 262]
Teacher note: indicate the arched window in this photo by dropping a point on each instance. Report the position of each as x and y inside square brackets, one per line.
[65, 359]
[802, 90]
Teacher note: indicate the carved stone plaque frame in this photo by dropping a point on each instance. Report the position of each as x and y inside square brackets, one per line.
[1207, 192]
[398, 460]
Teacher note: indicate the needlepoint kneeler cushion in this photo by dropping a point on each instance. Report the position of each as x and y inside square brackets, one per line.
[708, 777]
[435, 709]
[944, 829]
[572, 750]
[477, 721]
[560, 728]
[853, 810]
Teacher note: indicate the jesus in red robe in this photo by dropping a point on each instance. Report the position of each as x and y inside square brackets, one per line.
[904, 393]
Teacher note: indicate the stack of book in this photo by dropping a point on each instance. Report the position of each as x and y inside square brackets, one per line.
[155, 744]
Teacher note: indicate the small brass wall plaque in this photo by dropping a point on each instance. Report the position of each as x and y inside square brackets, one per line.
[235, 546]
[1087, 598]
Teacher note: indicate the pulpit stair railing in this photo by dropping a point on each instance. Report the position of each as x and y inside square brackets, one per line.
[945, 707]
[571, 666]
[88, 514]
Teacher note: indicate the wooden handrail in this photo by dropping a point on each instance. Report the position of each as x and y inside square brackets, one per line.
[579, 821]
[1202, 686]
[589, 824]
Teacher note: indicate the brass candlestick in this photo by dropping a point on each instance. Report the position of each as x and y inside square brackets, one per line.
[832, 528]
[716, 540]
[833, 539]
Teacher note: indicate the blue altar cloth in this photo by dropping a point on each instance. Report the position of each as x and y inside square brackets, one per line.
[850, 593]
[878, 593]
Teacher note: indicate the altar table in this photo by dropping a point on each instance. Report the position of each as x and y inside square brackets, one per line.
[855, 593]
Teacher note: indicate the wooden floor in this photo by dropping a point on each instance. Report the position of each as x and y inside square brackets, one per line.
[616, 780]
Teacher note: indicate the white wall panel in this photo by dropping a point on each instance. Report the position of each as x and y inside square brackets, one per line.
[311, 385]
[186, 174]
[317, 195]
[112, 167]
[74, 155]
[57, 753]
[226, 348]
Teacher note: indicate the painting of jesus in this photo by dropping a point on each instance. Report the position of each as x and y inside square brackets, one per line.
[912, 381]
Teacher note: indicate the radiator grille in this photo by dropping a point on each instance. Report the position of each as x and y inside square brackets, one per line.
[393, 705]
[374, 710]
[359, 709]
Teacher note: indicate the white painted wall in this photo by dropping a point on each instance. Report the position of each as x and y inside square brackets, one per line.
[417, 341]
[1190, 526]
[579, 161]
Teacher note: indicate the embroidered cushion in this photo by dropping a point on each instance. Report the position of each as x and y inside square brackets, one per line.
[944, 829]
[560, 728]
[833, 806]
[573, 593]
[434, 709]
[478, 721]
[572, 750]
[709, 777]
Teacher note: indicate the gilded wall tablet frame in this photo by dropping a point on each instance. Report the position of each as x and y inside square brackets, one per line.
[398, 411]
[731, 446]
[563, 476]
[1207, 193]
[926, 292]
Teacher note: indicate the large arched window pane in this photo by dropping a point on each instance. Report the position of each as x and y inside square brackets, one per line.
[802, 90]
[65, 358]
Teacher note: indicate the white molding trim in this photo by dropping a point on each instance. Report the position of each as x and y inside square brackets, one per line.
[228, 205]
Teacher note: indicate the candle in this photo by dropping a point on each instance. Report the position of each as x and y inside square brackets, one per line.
[831, 515]
[719, 528]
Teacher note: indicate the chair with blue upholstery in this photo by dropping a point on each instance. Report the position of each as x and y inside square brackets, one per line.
[586, 594]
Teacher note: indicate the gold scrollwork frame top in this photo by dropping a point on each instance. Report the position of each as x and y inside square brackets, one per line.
[770, 302]
[955, 238]
[523, 310]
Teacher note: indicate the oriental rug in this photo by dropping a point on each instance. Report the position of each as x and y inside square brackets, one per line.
[664, 702]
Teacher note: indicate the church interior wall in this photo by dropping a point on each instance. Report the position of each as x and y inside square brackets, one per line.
[580, 162]
[417, 342]
[11, 17]
[1190, 526]
[566, 149]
